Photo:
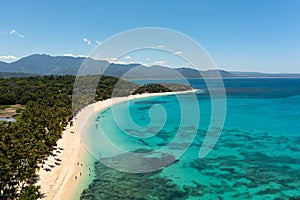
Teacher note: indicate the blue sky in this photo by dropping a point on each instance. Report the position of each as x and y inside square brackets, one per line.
[243, 35]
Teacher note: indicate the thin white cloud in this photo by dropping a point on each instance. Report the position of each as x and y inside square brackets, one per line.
[75, 56]
[111, 59]
[160, 46]
[14, 32]
[148, 59]
[69, 54]
[8, 58]
[123, 62]
[160, 62]
[146, 64]
[178, 53]
[97, 42]
[87, 41]
[116, 61]
[128, 57]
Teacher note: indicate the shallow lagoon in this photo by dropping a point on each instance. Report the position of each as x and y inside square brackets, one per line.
[256, 157]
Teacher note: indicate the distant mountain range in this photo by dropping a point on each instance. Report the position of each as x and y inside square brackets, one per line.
[64, 65]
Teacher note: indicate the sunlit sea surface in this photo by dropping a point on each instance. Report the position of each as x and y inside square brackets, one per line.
[256, 157]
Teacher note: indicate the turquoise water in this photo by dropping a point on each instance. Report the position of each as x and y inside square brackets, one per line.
[256, 157]
[7, 119]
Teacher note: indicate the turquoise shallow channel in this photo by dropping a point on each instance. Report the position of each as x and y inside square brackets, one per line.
[256, 157]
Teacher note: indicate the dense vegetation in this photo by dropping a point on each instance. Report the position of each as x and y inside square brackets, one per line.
[14, 74]
[26, 143]
[155, 88]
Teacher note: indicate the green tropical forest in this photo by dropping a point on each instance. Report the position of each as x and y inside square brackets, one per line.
[47, 108]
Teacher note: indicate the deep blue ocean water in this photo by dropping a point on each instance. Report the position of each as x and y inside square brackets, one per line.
[256, 157]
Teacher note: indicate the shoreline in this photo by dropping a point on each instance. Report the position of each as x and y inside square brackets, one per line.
[75, 172]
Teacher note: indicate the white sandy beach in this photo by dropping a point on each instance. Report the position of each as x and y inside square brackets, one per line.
[67, 180]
